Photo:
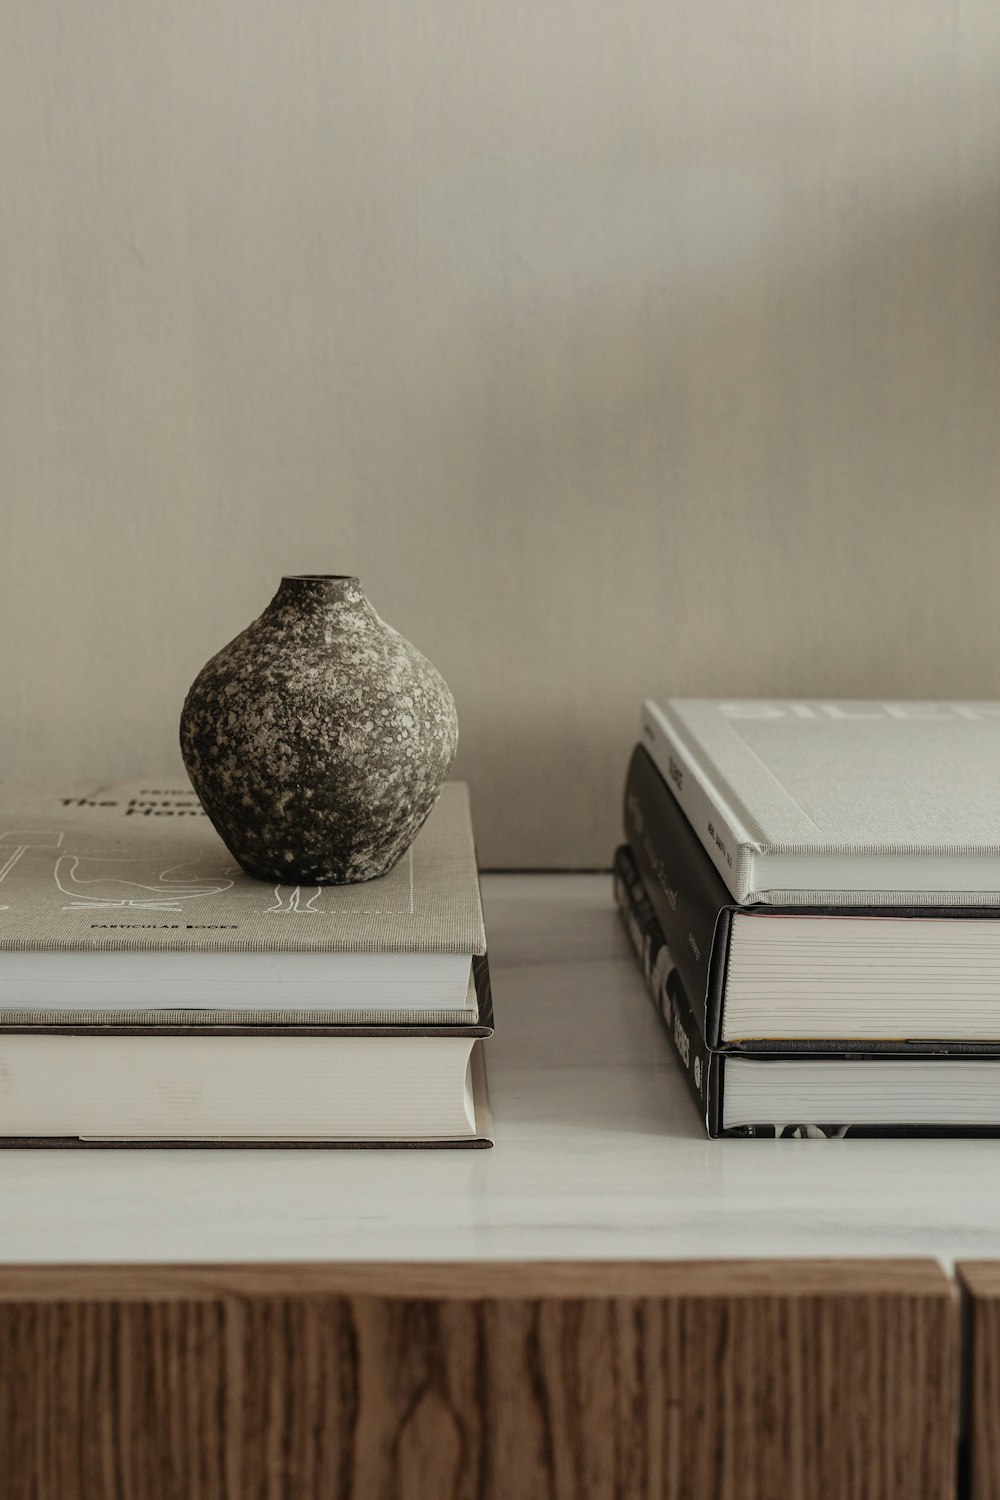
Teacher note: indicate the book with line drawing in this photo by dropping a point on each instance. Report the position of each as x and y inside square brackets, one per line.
[134, 876]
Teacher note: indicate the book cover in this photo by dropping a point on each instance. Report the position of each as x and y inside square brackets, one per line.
[137, 866]
[836, 802]
[688, 895]
[665, 986]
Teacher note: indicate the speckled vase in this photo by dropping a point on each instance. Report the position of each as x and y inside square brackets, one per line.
[319, 739]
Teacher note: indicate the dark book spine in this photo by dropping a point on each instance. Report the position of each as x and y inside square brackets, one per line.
[666, 987]
[688, 895]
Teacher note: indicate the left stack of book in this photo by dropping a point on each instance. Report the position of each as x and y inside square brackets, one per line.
[151, 993]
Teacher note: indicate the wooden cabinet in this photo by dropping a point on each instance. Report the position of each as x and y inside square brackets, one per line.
[980, 1283]
[805, 1380]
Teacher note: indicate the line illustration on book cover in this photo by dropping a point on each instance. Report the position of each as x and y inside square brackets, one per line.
[117, 864]
[294, 902]
[19, 841]
[142, 885]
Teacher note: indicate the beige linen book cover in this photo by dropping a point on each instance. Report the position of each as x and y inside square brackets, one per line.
[139, 866]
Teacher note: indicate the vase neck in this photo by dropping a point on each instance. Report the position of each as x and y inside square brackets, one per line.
[319, 594]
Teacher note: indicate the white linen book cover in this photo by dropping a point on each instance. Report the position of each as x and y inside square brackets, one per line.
[835, 802]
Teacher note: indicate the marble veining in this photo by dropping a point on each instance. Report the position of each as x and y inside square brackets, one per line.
[599, 1153]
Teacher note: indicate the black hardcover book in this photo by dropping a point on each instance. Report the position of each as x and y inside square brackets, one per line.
[664, 982]
[687, 893]
[735, 1093]
[700, 921]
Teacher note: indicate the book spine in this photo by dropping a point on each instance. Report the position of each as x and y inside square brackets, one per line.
[688, 895]
[722, 835]
[665, 986]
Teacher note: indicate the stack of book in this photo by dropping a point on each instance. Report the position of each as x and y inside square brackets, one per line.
[813, 891]
[152, 993]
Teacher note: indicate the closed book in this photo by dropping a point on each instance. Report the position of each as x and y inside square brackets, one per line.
[837, 803]
[144, 1085]
[688, 895]
[665, 985]
[771, 978]
[829, 1096]
[119, 904]
[131, 1090]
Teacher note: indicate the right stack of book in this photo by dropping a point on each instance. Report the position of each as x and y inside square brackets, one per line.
[813, 892]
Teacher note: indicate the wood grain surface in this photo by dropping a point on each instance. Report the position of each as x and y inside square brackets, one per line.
[980, 1282]
[728, 1381]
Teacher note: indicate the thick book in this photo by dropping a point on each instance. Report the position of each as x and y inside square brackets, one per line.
[119, 904]
[247, 1086]
[241, 1091]
[838, 803]
[769, 978]
[665, 985]
[810, 1097]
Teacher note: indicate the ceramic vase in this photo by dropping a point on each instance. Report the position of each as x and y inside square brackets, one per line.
[318, 740]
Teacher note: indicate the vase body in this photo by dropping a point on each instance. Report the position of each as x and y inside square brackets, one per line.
[319, 739]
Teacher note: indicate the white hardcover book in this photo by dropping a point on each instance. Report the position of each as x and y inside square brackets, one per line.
[212, 1090]
[838, 803]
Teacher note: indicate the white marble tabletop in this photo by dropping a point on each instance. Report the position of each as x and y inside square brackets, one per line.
[599, 1152]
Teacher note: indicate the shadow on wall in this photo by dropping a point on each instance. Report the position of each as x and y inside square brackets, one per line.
[771, 474]
[654, 353]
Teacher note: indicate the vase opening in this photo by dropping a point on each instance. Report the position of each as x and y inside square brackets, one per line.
[319, 578]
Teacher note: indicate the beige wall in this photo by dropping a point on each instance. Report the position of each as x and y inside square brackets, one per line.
[621, 348]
